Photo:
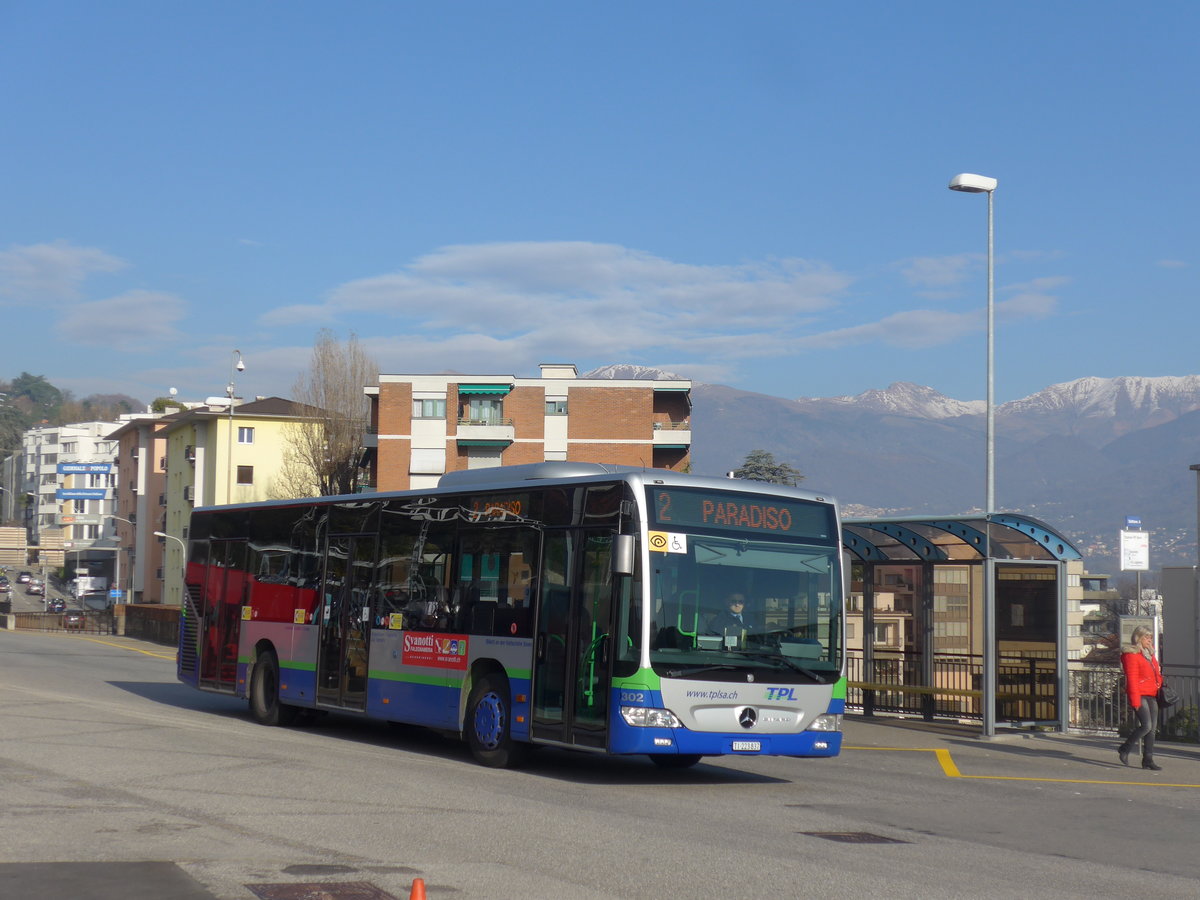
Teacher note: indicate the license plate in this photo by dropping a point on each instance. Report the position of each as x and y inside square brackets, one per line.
[747, 745]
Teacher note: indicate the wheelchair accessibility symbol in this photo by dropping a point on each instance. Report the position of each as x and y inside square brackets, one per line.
[667, 542]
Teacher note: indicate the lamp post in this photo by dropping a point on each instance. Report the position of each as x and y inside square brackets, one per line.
[117, 558]
[235, 366]
[182, 556]
[982, 184]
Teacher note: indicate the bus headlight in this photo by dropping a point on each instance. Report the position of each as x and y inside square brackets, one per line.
[826, 722]
[641, 717]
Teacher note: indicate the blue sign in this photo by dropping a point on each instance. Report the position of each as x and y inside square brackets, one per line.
[1133, 521]
[81, 494]
[84, 468]
[115, 594]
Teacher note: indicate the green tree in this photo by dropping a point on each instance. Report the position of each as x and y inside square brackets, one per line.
[35, 396]
[163, 404]
[760, 465]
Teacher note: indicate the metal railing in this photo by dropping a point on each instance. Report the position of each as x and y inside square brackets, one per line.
[1099, 705]
[89, 622]
[1026, 689]
[498, 420]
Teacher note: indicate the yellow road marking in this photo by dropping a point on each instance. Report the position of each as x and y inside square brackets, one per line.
[124, 647]
[951, 770]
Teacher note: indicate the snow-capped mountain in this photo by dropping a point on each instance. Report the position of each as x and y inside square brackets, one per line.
[632, 373]
[1080, 455]
[903, 398]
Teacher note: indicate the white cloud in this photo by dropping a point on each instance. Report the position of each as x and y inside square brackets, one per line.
[40, 273]
[939, 273]
[532, 301]
[1172, 264]
[916, 329]
[133, 319]
[506, 307]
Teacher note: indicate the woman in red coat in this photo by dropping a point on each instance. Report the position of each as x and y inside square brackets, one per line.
[1143, 678]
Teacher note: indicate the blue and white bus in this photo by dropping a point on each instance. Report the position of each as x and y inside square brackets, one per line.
[572, 605]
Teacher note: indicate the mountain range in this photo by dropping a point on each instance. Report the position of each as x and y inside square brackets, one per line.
[1081, 456]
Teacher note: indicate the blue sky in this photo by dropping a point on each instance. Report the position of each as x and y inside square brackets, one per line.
[752, 194]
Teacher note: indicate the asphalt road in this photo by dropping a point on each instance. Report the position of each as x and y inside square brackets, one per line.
[118, 782]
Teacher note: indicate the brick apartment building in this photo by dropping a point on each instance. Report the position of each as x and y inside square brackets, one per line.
[423, 426]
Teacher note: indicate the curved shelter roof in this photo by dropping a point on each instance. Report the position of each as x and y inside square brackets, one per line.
[954, 538]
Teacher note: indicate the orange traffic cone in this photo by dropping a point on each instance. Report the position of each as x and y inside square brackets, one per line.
[418, 889]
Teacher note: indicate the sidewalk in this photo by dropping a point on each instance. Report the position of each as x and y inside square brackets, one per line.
[1019, 752]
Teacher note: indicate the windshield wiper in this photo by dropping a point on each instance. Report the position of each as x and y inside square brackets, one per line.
[675, 673]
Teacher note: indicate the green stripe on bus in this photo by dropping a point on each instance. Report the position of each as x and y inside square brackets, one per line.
[439, 680]
[297, 666]
[641, 680]
[839, 689]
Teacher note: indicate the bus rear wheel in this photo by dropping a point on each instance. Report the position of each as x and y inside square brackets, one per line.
[265, 705]
[675, 760]
[488, 724]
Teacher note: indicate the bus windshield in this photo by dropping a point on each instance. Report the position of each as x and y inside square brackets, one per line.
[723, 604]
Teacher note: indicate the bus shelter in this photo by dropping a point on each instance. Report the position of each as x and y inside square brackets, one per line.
[959, 617]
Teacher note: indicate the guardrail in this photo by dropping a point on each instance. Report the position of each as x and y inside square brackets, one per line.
[1096, 702]
[87, 622]
[1099, 705]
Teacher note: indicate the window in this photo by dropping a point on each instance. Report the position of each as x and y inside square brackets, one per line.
[429, 409]
[485, 410]
[79, 507]
[245, 435]
[556, 407]
[245, 474]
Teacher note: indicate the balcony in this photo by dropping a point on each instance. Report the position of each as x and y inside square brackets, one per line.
[676, 434]
[189, 453]
[493, 431]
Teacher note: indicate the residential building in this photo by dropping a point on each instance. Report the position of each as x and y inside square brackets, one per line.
[139, 506]
[222, 453]
[423, 426]
[71, 472]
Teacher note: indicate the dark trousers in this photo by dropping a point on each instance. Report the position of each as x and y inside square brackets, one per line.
[1147, 721]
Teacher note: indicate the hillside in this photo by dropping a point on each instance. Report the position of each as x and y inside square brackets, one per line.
[1081, 455]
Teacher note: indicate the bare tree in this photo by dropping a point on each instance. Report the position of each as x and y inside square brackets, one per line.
[325, 457]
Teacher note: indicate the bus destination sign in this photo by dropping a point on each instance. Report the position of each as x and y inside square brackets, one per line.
[740, 512]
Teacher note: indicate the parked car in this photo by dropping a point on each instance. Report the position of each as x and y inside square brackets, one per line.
[57, 605]
[73, 620]
[25, 578]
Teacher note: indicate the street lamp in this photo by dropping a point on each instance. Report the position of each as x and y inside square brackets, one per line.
[236, 366]
[117, 558]
[183, 556]
[982, 184]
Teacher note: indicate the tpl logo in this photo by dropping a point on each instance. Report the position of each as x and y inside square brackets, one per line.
[781, 693]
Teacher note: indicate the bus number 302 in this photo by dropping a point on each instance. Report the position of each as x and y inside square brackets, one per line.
[633, 697]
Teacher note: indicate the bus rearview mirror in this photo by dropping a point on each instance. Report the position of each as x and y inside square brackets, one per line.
[622, 554]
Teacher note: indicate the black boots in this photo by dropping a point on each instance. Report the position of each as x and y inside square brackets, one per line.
[1149, 763]
[1123, 756]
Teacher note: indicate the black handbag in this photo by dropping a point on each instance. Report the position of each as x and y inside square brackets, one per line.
[1167, 695]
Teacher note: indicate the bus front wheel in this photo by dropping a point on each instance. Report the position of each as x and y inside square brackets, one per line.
[265, 705]
[489, 720]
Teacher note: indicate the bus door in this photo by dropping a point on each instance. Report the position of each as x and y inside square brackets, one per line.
[344, 616]
[573, 645]
[225, 592]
